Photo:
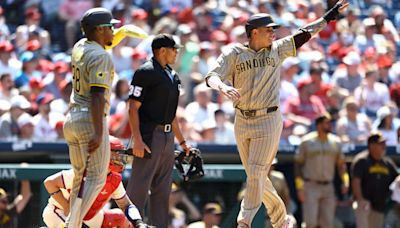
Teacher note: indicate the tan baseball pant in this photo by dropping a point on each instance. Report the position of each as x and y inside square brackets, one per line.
[257, 140]
[78, 130]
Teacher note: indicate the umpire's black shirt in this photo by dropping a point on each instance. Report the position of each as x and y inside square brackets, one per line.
[158, 93]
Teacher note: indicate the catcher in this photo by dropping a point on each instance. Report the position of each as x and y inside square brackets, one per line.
[59, 186]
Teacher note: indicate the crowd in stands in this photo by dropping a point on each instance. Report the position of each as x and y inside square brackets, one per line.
[351, 69]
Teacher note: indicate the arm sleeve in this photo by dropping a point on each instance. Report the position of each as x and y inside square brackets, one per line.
[357, 169]
[300, 38]
[286, 47]
[224, 66]
[119, 192]
[305, 33]
[101, 71]
[300, 153]
[341, 156]
[139, 85]
[393, 169]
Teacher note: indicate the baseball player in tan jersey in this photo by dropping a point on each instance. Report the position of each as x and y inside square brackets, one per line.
[85, 128]
[318, 154]
[252, 72]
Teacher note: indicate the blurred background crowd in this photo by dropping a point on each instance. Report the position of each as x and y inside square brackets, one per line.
[351, 69]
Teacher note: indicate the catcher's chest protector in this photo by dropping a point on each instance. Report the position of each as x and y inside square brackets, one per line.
[112, 182]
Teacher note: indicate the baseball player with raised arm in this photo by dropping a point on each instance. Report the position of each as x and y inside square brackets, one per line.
[59, 186]
[85, 127]
[252, 71]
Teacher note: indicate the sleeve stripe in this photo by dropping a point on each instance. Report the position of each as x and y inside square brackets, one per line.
[294, 46]
[121, 197]
[99, 85]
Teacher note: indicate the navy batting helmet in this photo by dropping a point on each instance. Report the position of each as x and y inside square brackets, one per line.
[259, 20]
[98, 17]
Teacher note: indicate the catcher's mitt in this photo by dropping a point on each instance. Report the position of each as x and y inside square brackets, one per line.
[195, 162]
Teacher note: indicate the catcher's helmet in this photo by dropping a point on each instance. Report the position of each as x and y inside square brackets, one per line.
[195, 161]
[118, 159]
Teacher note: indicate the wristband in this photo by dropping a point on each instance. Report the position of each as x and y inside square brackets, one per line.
[53, 193]
[183, 142]
[332, 13]
[346, 179]
[132, 213]
[299, 183]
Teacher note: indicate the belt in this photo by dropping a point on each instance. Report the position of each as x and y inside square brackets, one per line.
[79, 109]
[165, 128]
[253, 113]
[318, 182]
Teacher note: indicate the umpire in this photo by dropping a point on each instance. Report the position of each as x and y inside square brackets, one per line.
[154, 95]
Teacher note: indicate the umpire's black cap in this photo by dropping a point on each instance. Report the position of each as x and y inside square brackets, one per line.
[260, 20]
[164, 40]
[98, 17]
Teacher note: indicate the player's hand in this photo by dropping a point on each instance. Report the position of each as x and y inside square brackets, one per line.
[230, 92]
[185, 147]
[344, 3]
[363, 204]
[94, 143]
[139, 148]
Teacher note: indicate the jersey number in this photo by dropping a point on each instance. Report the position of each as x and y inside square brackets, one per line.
[76, 76]
[135, 91]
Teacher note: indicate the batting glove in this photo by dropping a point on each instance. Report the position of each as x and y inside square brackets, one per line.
[127, 30]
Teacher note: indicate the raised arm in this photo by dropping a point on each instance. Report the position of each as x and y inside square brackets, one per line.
[305, 33]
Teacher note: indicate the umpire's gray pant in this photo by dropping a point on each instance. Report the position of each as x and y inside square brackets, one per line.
[78, 131]
[154, 174]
